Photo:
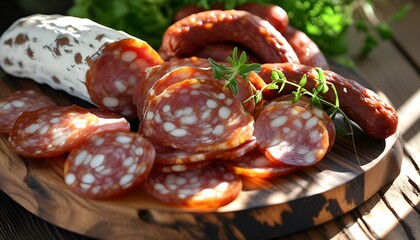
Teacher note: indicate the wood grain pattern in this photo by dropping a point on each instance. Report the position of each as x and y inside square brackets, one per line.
[274, 207]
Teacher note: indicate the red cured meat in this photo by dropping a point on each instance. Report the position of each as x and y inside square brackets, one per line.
[255, 164]
[18, 102]
[238, 151]
[290, 134]
[204, 188]
[166, 155]
[322, 115]
[154, 73]
[51, 131]
[112, 76]
[109, 121]
[197, 115]
[109, 164]
[181, 167]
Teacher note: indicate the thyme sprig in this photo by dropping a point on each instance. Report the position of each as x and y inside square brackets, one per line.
[239, 66]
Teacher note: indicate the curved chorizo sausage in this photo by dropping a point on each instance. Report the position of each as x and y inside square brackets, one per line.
[307, 50]
[250, 31]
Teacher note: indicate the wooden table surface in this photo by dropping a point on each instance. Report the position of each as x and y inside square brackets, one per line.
[392, 213]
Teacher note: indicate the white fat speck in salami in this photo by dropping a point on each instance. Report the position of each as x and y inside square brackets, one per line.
[223, 126]
[77, 55]
[204, 188]
[34, 135]
[18, 102]
[302, 133]
[109, 170]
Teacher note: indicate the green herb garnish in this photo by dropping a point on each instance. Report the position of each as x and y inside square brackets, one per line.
[239, 66]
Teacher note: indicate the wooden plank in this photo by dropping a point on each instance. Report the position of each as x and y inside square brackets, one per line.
[406, 32]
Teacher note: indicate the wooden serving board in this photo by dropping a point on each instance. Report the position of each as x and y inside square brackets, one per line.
[264, 209]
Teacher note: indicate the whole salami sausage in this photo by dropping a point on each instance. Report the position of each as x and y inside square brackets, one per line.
[62, 50]
[18, 102]
[108, 164]
[377, 118]
[250, 31]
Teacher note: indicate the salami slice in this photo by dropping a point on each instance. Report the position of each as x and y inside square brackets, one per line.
[197, 115]
[290, 134]
[60, 50]
[177, 75]
[166, 155]
[109, 121]
[254, 164]
[181, 167]
[111, 78]
[322, 115]
[238, 151]
[204, 188]
[109, 164]
[154, 73]
[245, 88]
[51, 131]
[18, 102]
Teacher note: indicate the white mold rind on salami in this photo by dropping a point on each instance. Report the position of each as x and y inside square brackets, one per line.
[54, 49]
[61, 51]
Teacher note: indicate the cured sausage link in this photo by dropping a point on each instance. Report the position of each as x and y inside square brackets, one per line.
[307, 50]
[377, 118]
[60, 50]
[274, 14]
[240, 27]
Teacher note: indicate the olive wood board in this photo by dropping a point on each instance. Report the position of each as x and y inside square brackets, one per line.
[264, 209]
